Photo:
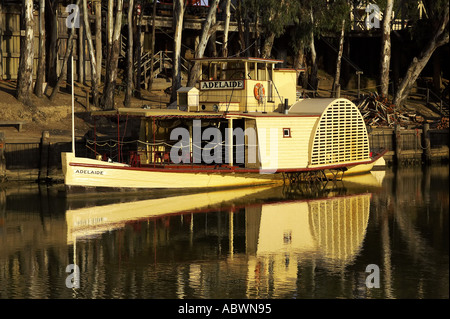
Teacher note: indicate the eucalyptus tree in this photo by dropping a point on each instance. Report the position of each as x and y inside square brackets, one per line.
[385, 56]
[130, 66]
[87, 29]
[25, 72]
[434, 32]
[40, 74]
[207, 30]
[69, 47]
[178, 16]
[113, 59]
[302, 41]
[336, 21]
[273, 16]
[226, 28]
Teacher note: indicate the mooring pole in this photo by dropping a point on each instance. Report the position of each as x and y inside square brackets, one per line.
[398, 143]
[73, 113]
[426, 143]
[2, 157]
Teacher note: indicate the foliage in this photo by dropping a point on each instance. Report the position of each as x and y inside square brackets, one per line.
[274, 15]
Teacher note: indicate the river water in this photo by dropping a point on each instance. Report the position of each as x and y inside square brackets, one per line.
[382, 235]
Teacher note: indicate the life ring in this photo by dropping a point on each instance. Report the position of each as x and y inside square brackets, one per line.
[259, 91]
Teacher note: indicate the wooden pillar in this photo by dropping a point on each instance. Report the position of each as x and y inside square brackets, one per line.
[45, 144]
[426, 144]
[246, 70]
[230, 142]
[2, 158]
[398, 144]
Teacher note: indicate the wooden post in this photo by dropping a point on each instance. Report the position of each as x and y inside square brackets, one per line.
[426, 145]
[43, 171]
[230, 142]
[88, 106]
[398, 144]
[358, 73]
[81, 78]
[2, 158]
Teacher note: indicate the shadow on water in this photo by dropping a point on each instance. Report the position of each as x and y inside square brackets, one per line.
[302, 241]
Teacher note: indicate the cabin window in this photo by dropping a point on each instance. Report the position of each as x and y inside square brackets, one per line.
[286, 132]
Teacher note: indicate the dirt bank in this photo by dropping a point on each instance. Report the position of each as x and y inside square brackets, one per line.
[55, 116]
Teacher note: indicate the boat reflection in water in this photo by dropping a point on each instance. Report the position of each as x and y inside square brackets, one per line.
[258, 243]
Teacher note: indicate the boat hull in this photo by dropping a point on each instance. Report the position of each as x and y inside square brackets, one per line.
[86, 174]
[90, 173]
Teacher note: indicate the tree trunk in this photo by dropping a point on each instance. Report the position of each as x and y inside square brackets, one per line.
[385, 60]
[178, 13]
[130, 66]
[138, 56]
[439, 38]
[257, 36]
[87, 29]
[63, 72]
[299, 60]
[112, 62]
[25, 73]
[40, 74]
[268, 44]
[52, 54]
[200, 50]
[109, 27]
[98, 40]
[152, 60]
[337, 76]
[226, 28]
[313, 82]
[81, 43]
[240, 27]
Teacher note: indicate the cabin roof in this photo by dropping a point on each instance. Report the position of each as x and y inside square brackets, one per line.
[173, 113]
[314, 106]
[159, 113]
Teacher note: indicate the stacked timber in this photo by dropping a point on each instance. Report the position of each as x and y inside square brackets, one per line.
[378, 111]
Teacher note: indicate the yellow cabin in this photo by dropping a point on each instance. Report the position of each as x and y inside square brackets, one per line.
[245, 85]
[313, 133]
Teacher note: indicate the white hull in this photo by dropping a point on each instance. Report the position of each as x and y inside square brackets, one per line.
[86, 172]
[91, 173]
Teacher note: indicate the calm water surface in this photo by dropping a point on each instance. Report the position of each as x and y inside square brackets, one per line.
[303, 242]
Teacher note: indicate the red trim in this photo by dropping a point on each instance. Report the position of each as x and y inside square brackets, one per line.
[275, 114]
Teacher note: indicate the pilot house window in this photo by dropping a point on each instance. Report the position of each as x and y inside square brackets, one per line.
[286, 132]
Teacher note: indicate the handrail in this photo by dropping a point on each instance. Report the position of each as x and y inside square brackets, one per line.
[443, 105]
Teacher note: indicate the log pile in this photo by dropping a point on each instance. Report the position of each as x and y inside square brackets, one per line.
[443, 123]
[378, 111]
